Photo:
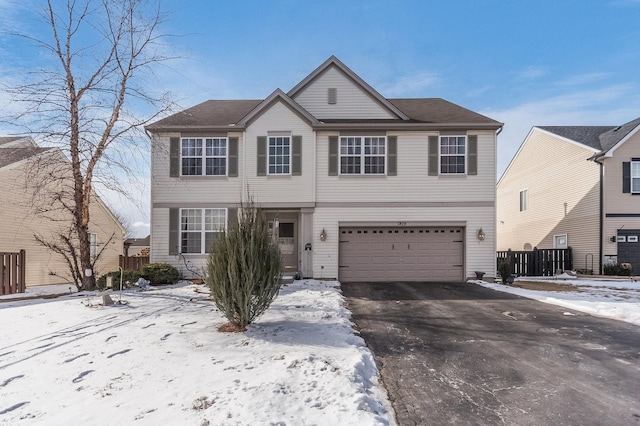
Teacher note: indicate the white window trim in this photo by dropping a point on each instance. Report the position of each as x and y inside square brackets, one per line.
[290, 164]
[203, 231]
[523, 206]
[632, 177]
[204, 156]
[440, 155]
[363, 156]
[566, 238]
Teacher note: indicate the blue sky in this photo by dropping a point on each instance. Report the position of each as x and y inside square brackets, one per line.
[524, 63]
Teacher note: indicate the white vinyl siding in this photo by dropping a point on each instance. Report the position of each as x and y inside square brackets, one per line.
[412, 175]
[165, 189]
[352, 102]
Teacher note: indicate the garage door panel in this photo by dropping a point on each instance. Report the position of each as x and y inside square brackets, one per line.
[410, 254]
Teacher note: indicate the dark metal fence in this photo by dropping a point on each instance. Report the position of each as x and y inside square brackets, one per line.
[12, 277]
[133, 262]
[537, 262]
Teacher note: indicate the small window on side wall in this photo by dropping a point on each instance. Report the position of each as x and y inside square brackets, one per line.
[524, 200]
[560, 241]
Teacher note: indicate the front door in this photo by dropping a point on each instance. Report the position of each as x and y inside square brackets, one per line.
[284, 227]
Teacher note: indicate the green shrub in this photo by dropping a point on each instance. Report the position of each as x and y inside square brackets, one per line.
[620, 269]
[504, 269]
[160, 273]
[129, 277]
[243, 269]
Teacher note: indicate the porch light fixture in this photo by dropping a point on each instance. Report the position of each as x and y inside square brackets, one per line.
[481, 234]
[323, 235]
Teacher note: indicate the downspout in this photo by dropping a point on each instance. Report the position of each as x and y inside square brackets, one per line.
[601, 224]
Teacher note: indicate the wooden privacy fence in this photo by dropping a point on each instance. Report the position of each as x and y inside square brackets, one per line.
[12, 277]
[133, 262]
[537, 262]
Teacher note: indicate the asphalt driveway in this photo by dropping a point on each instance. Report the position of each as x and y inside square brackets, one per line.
[466, 355]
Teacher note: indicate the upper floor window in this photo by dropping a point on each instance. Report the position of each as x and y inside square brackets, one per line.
[453, 154]
[279, 155]
[204, 156]
[362, 155]
[635, 177]
[199, 228]
[524, 200]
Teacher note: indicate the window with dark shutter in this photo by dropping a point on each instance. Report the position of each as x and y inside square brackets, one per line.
[262, 156]
[333, 156]
[626, 177]
[433, 155]
[296, 156]
[472, 155]
[174, 157]
[392, 155]
[174, 230]
[232, 169]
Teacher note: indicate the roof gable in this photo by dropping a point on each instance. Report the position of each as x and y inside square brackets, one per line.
[278, 96]
[613, 138]
[355, 98]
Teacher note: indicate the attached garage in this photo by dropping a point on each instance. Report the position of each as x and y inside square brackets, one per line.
[401, 254]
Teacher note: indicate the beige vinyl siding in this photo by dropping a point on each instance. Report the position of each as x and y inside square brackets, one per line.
[165, 189]
[479, 255]
[272, 188]
[615, 201]
[412, 182]
[19, 221]
[352, 101]
[563, 190]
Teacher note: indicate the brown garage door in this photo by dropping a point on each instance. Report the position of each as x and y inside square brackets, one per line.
[401, 254]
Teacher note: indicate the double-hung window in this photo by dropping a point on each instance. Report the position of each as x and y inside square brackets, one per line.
[635, 177]
[453, 154]
[204, 156]
[279, 155]
[199, 228]
[362, 155]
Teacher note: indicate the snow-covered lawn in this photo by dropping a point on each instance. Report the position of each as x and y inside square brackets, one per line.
[158, 359]
[611, 298]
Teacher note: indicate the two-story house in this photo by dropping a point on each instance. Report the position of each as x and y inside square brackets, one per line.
[578, 187]
[356, 186]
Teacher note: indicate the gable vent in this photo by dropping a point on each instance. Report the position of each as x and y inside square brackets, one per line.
[332, 95]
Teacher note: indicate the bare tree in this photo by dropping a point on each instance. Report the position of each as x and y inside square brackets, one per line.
[102, 54]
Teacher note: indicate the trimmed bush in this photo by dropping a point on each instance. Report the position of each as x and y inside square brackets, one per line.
[504, 269]
[243, 269]
[620, 269]
[129, 277]
[160, 273]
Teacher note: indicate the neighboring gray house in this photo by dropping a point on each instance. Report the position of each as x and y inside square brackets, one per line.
[356, 186]
[576, 186]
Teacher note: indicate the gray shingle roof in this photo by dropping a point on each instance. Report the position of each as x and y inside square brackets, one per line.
[13, 155]
[602, 138]
[611, 137]
[586, 135]
[220, 114]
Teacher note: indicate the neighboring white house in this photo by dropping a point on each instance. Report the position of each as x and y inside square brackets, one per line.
[356, 186]
[578, 187]
[31, 178]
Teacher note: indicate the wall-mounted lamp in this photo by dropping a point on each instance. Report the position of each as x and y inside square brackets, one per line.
[323, 235]
[481, 234]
